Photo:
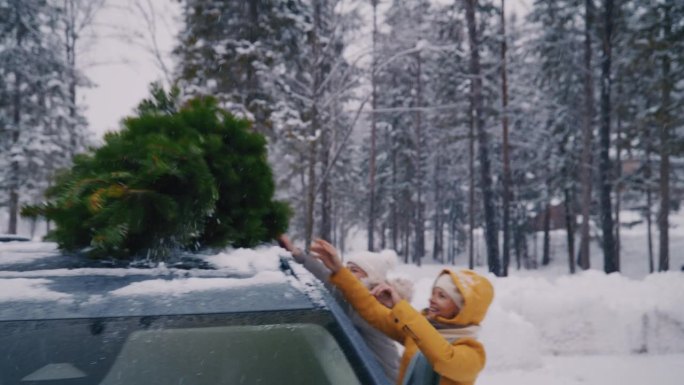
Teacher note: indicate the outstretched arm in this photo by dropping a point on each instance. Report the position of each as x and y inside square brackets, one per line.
[355, 292]
[310, 263]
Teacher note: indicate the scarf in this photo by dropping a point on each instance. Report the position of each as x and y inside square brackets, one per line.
[451, 333]
[419, 371]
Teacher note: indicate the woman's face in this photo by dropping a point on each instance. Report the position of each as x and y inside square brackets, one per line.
[441, 305]
[356, 270]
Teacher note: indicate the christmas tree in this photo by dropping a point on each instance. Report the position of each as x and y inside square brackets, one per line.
[174, 178]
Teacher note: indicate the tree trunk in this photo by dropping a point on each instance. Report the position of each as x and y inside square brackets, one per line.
[14, 165]
[438, 239]
[325, 225]
[471, 189]
[407, 234]
[254, 20]
[649, 205]
[311, 192]
[334, 225]
[546, 251]
[520, 237]
[419, 224]
[371, 181]
[535, 250]
[13, 211]
[610, 264]
[568, 200]
[587, 133]
[251, 93]
[395, 197]
[438, 220]
[328, 141]
[515, 229]
[618, 185]
[491, 231]
[313, 150]
[570, 228]
[451, 248]
[665, 122]
[507, 194]
[70, 45]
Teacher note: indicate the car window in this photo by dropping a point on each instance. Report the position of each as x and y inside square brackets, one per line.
[264, 354]
[302, 347]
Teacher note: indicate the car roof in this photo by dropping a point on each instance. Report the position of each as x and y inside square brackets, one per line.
[37, 281]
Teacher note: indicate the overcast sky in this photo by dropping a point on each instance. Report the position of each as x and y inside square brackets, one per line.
[121, 71]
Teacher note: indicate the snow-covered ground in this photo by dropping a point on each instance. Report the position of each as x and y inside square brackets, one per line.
[594, 370]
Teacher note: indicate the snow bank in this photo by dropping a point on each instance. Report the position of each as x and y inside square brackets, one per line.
[594, 370]
[511, 342]
[594, 313]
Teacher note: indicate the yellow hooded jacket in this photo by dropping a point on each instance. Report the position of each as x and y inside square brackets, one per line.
[458, 362]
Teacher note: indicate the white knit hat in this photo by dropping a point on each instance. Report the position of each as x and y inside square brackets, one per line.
[403, 286]
[376, 265]
[446, 283]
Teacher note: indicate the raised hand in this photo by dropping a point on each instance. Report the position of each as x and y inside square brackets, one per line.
[285, 243]
[386, 295]
[327, 254]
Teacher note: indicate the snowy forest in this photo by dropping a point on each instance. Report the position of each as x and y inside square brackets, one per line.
[453, 117]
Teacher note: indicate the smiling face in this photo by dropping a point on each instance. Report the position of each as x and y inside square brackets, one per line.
[441, 305]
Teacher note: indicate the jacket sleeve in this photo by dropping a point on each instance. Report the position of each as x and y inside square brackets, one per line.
[366, 305]
[460, 362]
[315, 267]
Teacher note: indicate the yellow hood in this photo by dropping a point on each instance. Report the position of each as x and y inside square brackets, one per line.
[478, 294]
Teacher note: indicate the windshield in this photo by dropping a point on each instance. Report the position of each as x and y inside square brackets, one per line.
[219, 349]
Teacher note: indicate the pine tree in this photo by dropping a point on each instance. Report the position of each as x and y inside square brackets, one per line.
[491, 228]
[565, 82]
[171, 179]
[587, 136]
[232, 49]
[659, 54]
[398, 110]
[448, 137]
[611, 263]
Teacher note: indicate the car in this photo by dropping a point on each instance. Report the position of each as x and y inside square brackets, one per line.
[13, 238]
[231, 317]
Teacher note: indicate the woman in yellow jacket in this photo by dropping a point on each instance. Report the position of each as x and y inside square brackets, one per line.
[440, 345]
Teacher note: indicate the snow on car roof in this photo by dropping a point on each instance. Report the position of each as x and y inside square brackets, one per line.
[16, 252]
[13, 238]
[36, 281]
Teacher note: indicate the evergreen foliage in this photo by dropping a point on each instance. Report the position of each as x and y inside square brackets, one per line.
[233, 49]
[172, 178]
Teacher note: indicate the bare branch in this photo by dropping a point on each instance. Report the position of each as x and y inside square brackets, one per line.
[342, 145]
